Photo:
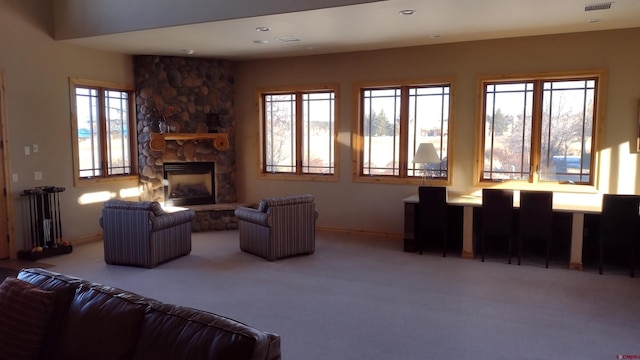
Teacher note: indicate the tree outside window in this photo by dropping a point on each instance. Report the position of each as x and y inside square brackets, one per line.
[393, 121]
[539, 129]
[299, 133]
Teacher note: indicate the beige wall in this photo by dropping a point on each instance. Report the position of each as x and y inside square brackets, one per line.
[36, 72]
[377, 207]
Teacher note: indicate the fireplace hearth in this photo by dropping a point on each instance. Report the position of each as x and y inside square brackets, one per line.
[189, 183]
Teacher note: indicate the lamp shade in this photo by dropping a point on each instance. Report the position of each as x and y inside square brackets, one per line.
[426, 154]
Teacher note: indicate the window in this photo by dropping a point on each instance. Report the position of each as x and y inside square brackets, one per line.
[299, 133]
[101, 125]
[539, 129]
[392, 122]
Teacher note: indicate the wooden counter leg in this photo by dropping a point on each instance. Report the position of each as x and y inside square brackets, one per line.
[410, 212]
[467, 233]
[577, 229]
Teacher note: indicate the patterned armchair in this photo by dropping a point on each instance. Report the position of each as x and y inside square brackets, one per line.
[143, 234]
[280, 227]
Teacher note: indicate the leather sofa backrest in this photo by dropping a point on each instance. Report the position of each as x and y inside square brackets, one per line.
[89, 318]
[93, 321]
[164, 326]
[102, 321]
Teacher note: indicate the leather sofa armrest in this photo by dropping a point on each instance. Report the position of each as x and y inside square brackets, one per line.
[171, 219]
[253, 216]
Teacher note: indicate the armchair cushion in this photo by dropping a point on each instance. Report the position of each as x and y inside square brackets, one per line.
[168, 220]
[266, 203]
[254, 216]
[152, 206]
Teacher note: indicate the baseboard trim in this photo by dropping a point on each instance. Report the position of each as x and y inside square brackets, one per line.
[86, 239]
[575, 266]
[360, 232]
[467, 255]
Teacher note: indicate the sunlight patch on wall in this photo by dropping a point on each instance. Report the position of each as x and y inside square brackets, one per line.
[131, 192]
[95, 197]
[627, 170]
[604, 166]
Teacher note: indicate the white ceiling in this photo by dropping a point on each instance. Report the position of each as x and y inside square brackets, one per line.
[371, 26]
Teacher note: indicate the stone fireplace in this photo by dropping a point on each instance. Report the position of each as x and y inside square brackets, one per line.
[192, 98]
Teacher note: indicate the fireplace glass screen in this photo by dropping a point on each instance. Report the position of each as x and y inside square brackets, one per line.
[189, 183]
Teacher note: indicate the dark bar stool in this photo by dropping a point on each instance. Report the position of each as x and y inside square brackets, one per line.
[535, 219]
[619, 224]
[497, 217]
[432, 219]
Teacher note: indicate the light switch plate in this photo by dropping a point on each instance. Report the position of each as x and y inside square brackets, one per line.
[27, 150]
[37, 175]
[15, 177]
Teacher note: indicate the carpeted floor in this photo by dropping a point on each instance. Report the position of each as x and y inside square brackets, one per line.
[12, 267]
[362, 297]
[5, 273]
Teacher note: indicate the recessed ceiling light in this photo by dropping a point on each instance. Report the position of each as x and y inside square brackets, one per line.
[591, 21]
[407, 12]
[434, 36]
[260, 41]
[263, 28]
[187, 51]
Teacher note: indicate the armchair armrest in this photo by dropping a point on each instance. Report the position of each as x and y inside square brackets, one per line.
[253, 216]
[170, 219]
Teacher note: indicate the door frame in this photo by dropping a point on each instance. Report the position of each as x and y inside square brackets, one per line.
[5, 182]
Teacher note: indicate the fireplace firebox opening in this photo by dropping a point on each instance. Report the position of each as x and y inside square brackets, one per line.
[189, 183]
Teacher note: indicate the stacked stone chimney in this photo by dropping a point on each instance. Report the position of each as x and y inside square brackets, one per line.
[189, 95]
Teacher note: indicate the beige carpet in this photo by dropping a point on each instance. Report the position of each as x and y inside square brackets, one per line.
[361, 297]
[10, 268]
[20, 264]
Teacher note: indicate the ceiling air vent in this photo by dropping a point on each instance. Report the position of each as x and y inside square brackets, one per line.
[288, 39]
[601, 6]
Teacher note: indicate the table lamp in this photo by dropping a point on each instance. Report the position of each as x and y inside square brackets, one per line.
[426, 155]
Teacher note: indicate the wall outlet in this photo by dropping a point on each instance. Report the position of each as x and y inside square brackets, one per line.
[34, 148]
[37, 175]
[14, 177]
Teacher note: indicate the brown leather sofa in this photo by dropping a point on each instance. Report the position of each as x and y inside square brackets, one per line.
[93, 321]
